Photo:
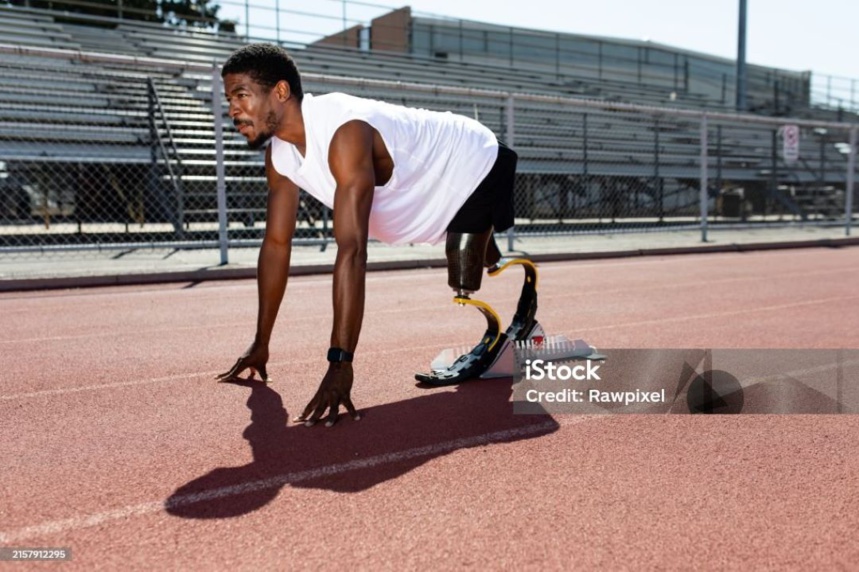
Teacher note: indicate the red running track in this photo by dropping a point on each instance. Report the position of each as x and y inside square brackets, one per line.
[118, 444]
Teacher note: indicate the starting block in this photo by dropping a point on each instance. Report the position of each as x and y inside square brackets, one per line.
[512, 354]
[497, 352]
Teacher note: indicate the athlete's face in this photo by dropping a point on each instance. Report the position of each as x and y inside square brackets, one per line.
[252, 108]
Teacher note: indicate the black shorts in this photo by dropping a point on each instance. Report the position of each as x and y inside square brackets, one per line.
[491, 203]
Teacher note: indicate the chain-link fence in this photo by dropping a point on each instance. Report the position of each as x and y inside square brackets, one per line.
[112, 152]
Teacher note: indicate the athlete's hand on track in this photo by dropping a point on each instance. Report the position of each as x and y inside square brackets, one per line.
[254, 358]
[335, 389]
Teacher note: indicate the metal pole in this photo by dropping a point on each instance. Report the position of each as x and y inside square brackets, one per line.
[585, 150]
[718, 158]
[822, 161]
[704, 182]
[686, 75]
[741, 59]
[247, 21]
[851, 168]
[511, 133]
[219, 163]
[676, 70]
[461, 43]
[557, 56]
[599, 60]
[852, 95]
[154, 185]
[657, 184]
[773, 171]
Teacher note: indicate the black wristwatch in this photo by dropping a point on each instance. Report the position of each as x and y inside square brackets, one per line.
[336, 355]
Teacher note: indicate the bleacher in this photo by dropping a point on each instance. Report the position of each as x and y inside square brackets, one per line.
[56, 111]
[33, 29]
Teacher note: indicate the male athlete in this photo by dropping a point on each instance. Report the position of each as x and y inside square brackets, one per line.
[393, 173]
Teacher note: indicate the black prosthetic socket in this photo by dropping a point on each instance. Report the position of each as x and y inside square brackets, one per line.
[466, 253]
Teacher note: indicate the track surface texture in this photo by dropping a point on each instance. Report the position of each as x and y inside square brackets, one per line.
[117, 443]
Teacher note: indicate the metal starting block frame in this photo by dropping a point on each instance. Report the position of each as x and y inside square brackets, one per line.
[513, 354]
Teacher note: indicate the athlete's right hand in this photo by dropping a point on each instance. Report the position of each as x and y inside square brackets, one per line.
[254, 358]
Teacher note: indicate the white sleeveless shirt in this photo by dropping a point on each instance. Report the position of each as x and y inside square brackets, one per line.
[439, 160]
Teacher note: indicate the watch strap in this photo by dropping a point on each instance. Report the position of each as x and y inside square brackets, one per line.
[336, 355]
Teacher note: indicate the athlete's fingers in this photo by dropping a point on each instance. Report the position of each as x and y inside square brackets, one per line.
[234, 371]
[317, 413]
[347, 401]
[310, 407]
[263, 373]
[334, 413]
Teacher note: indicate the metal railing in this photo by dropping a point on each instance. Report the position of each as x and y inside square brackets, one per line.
[585, 166]
[156, 113]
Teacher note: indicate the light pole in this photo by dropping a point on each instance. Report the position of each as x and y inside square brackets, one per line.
[741, 59]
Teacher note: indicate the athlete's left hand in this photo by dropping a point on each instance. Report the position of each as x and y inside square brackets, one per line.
[335, 389]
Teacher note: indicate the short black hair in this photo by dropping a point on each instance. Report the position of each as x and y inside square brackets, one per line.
[267, 64]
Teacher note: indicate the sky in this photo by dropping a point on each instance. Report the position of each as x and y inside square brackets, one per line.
[817, 35]
[799, 35]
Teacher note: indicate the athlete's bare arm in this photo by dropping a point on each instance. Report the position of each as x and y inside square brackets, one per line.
[351, 159]
[272, 268]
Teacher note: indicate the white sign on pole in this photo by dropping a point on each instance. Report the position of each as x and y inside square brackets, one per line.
[790, 147]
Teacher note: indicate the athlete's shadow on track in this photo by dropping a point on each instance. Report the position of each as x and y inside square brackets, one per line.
[390, 441]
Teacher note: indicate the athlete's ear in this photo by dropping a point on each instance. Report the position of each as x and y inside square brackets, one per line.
[282, 90]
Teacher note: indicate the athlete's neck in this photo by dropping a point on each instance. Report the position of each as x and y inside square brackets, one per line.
[291, 127]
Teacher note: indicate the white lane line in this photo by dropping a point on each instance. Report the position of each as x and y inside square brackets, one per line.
[125, 513]
[135, 333]
[303, 281]
[768, 278]
[292, 319]
[215, 289]
[742, 312]
[316, 317]
[65, 391]
[193, 375]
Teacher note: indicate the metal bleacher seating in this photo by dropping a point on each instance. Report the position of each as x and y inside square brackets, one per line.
[106, 113]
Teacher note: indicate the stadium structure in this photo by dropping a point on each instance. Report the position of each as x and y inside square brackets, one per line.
[129, 138]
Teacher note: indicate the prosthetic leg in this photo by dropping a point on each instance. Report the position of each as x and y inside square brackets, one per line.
[467, 256]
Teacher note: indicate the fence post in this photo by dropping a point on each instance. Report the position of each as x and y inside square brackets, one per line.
[154, 186]
[657, 180]
[219, 163]
[277, 20]
[852, 95]
[851, 168]
[511, 133]
[704, 182]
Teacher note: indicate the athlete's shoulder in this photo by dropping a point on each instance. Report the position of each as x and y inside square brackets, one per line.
[335, 98]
